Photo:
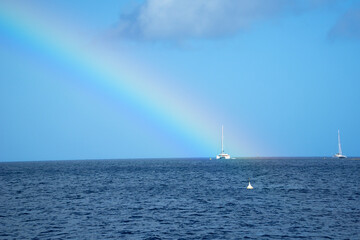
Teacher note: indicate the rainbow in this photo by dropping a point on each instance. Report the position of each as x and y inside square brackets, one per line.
[122, 78]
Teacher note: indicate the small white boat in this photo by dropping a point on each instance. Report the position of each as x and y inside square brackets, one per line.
[222, 155]
[339, 154]
[249, 186]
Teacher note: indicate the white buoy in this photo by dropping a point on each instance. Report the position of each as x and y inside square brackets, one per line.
[249, 186]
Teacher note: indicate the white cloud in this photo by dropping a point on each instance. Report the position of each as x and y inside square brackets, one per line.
[184, 19]
[348, 26]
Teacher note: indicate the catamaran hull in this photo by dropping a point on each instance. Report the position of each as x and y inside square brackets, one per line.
[223, 156]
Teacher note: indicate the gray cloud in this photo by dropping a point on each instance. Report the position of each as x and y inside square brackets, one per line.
[188, 19]
[348, 26]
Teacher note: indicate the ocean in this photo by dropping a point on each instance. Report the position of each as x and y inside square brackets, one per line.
[181, 199]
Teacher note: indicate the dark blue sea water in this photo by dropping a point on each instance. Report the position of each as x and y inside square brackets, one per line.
[180, 199]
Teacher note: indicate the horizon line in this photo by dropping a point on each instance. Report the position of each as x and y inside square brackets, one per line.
[209, 158]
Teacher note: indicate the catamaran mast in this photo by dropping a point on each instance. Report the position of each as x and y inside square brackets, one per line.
[222, 139]
[340, 152]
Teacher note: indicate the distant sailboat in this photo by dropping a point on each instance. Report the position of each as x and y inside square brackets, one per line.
[222, 155]
[339, 154]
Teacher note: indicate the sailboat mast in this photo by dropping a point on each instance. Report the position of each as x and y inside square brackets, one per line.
[222, 139]
[340, 152]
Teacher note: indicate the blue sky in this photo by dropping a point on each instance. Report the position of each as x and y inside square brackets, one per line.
[151, 78]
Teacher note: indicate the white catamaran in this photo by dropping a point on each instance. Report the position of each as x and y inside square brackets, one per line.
[222, 155]
[339, 154]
